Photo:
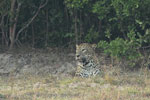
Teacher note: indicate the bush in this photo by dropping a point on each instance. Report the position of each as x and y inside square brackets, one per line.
[123, 49]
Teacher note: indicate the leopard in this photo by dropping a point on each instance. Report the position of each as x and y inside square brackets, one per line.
[86, 60]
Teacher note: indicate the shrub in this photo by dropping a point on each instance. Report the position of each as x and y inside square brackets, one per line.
[127, 49]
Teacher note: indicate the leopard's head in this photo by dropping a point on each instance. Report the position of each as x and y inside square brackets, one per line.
[84, 51]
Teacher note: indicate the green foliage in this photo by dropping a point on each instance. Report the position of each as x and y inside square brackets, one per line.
[102, 8]
[125, 7]
[91, 35]
[123, 26]
[120, 48]
[76, 4]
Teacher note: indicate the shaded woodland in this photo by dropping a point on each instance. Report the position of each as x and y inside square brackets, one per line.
[120, 27]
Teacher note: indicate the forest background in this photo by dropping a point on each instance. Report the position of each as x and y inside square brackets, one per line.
[121, 28]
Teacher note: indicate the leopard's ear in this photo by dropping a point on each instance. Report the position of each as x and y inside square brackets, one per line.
[94, 46]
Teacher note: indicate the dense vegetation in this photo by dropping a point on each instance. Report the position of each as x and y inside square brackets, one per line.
[120, 27]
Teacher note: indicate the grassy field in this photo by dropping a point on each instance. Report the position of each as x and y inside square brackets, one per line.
[126, 86]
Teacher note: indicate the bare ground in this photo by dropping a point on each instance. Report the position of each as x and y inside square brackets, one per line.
[48, 75]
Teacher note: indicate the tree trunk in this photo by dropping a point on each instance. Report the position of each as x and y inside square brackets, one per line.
[3, 38]
[33, 36]
[81, 27]
[12, 28]
[4, 35]
[75, 27]
[12, 35]
[47, 28]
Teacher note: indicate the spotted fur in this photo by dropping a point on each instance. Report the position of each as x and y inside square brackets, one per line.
[87, 62]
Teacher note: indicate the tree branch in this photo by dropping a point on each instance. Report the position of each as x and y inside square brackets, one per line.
[2, 19]
[23, 28]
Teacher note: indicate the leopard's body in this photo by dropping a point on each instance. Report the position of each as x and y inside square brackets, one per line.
[87, 61]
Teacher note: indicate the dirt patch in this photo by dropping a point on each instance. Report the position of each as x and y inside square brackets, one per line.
[53, 61]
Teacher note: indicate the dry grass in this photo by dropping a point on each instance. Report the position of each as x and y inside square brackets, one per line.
[128, 86]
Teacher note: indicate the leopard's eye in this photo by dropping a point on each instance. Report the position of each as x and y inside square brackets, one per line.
[83, 50]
